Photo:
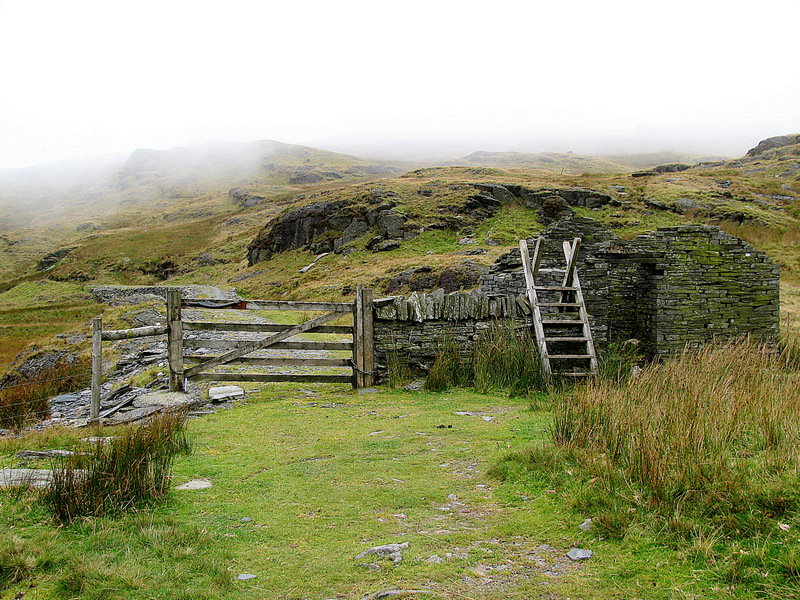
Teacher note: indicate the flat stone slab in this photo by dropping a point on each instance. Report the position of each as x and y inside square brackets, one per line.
[37, 478]
[579, 554]
[225, 392]
[32, 454]
[164, 400]
[135, 414]
[195, 484]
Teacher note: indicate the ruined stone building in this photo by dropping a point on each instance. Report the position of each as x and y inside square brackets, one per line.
[668, 288]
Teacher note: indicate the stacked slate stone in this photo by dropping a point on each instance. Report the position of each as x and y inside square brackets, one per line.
[416, 327]
[671, 288]
[709, 284]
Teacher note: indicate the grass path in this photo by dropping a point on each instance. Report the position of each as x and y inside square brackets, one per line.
[304, 479]
[304, 482]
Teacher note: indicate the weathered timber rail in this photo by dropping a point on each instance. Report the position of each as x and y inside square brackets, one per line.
[359, 346]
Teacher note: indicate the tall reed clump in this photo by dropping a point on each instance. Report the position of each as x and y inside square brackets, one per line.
[790, 348]
[710, 429]
[501, 358]
[398, 370]
[617, 361]
[507, 358]
[131, 471]
[26, 401]
[450, 369]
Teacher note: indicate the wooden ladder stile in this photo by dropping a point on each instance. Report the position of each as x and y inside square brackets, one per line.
[571, 254]
[531, 270]
[580, 360]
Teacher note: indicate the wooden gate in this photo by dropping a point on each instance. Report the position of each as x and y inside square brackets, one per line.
[358, 347]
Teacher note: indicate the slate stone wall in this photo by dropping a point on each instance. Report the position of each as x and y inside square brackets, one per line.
[415, 327]
[668, 288]
[671, 288]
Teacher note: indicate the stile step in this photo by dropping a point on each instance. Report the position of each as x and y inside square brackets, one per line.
[563, 356]
[559, 304]
[562, 322]
[566, 339]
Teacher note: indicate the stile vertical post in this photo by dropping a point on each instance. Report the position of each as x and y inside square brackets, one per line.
[367, 346]
[175, 341]
[358, 334]
[97, 367]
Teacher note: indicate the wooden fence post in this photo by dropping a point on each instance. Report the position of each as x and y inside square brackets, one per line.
[97, 367]
[363, 349]
[175, 341]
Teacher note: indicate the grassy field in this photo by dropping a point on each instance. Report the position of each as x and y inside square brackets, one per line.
[304, 479]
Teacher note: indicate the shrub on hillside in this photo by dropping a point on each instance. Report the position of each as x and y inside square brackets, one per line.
[26, 400]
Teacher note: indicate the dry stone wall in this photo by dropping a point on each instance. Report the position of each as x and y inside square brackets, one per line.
[414, 328]
[669, 289]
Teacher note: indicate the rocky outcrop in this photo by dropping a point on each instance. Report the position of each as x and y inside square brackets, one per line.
[244, 198]
[550, 203]
[314, 226]
[331, 227]
[51, 260]
[667, 168]
[774, 142]
[462, 276]
[313, 174]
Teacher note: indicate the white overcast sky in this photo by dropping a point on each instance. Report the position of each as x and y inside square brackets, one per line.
[93, 77]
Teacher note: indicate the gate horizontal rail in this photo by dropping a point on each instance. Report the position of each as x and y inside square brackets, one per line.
[361, 362]
[233, 344]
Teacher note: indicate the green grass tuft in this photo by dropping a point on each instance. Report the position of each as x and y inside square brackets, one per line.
[132, 471]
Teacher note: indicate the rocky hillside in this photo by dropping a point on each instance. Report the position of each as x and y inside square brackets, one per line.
[284, 221]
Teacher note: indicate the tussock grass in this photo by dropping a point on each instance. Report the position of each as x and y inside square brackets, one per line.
[450, 369]
[132, 471]
[26, 401]
[697, 425]
[502, 358]
[506, 358]
[703, 451]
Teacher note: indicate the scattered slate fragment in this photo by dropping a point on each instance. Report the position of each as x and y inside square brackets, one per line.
[195, 484]
[225, 392]
[586, 525]
[390, 593]
[36, 478]
[97, 440]
[245, 576]
[392, 551]
[579, 554]
[31, 454]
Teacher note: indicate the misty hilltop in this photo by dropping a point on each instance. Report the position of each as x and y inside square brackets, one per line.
[259, 216]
